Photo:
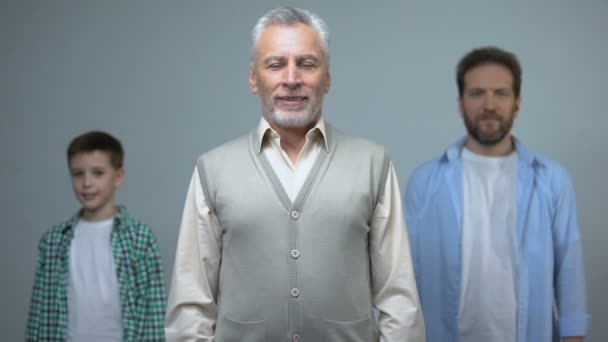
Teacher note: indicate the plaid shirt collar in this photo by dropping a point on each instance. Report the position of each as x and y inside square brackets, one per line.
[119, 219]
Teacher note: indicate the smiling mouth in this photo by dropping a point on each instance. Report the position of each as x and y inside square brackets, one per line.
[292, 100]
[291, 103]
[88, 196]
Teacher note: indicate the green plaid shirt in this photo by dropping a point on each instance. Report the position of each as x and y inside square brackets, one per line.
[139, 273]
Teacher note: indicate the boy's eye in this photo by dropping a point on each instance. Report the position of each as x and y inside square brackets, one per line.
[76, 173]
[98, 173]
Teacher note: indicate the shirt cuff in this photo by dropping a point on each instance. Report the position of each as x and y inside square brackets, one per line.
[574, 325]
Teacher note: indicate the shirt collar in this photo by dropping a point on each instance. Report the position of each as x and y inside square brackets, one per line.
[121, 213]
[453, 151]
[265, 129]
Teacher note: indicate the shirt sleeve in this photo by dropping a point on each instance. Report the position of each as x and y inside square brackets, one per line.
[38, 294]
[192, 304]
[155, 294]
[394, 292]
[570, 296]
[410, 205]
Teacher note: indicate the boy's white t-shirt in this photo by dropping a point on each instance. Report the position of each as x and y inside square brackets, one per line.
[488, 302]
[94, 309]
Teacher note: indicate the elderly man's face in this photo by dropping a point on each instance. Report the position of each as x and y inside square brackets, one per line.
[291, 75]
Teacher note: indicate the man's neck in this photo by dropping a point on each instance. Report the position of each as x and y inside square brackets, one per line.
[292, 139]
[502, 148]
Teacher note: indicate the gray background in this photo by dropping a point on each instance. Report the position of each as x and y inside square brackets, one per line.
[170, 79]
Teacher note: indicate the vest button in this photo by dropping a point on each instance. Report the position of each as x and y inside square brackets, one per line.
[295, 253]
[295, 292]
[295, 338]
[295, 214]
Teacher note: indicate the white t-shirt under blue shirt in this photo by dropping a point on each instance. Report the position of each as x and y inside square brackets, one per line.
[488, 300]
[94, 310]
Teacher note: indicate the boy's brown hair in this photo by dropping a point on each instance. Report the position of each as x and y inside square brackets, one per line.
[97, 141]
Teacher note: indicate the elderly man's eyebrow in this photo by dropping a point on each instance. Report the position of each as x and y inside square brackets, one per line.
[270, 59]
[308, 57]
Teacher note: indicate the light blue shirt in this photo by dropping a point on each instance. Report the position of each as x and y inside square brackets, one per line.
[548, 248]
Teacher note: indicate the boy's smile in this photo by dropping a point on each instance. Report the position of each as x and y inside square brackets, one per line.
[94, 181]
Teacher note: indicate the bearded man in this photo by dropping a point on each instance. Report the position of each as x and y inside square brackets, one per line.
[495, 241]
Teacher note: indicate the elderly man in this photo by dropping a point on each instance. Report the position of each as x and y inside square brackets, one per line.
[293, 232]
[493, 224]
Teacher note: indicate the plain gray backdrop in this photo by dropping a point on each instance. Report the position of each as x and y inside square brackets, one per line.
[170, 80]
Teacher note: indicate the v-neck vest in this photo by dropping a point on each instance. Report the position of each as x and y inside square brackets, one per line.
[295, 271]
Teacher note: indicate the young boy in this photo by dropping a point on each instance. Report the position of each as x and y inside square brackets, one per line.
[99, 275]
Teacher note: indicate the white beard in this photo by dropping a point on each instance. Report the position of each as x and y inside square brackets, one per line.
[286, 120]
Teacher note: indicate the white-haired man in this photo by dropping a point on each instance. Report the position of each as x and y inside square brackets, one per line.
[295, 231]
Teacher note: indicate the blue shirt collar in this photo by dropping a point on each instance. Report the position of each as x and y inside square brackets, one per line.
[453, 151]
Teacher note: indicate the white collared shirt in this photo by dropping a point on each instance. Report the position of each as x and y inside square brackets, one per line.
[292, 175]
[192, 309]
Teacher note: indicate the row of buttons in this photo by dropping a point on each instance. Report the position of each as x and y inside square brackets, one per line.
[295, 292]
[295, 254]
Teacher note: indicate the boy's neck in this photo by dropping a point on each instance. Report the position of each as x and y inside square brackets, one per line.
[99, 215]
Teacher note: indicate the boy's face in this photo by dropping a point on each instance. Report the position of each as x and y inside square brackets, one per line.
[94, 181]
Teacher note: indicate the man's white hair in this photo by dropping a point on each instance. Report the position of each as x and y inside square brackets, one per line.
[290, 16]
